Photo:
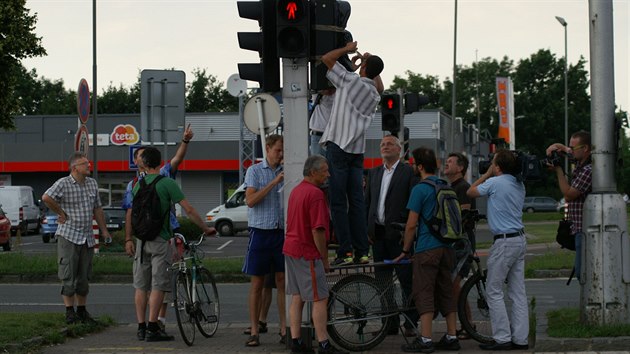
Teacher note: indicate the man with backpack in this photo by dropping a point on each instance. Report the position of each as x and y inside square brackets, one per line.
[506, 257]
[148, 220]
[433, 258]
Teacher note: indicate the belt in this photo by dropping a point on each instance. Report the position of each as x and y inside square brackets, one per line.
[514, 234]
[316, 133]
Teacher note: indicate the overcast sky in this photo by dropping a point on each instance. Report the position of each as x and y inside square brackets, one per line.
[414, 35]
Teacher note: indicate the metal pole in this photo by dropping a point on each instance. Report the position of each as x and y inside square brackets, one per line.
[566, 91]
[94, 91]
[605, 273]
[454, 94]
[478, 103]
[261, 125]
[241, 174]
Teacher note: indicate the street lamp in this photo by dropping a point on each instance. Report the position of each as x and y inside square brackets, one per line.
[566, 91]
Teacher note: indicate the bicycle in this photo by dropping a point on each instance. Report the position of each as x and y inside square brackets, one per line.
[472, 306]
[195, 295]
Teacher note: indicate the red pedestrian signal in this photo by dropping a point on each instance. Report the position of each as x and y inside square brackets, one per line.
[390, 103]
[292, 28]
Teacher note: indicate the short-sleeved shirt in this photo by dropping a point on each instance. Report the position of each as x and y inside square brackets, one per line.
[582, 181]
[307, 211]
[460, 186]
[353, 109]
[321, 113]
[506, 196]
[422, 201]
[166, 171]
[78, 201]
[268, 214]
[169, 193]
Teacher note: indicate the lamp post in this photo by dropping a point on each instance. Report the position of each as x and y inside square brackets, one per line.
[566, 91]
[454, 93]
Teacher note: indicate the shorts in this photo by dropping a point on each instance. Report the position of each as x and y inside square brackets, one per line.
[264, 251]
[74, 267]
[432, 285]
[151, 265]
[306, 278]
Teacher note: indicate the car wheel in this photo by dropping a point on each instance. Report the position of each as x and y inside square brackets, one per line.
[225, 228]
[529, 210]
[7, 246]
[46, 238]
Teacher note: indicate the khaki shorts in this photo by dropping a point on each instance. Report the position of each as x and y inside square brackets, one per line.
[306, 278]
[74, 267]
[432, 287]
[151, 265]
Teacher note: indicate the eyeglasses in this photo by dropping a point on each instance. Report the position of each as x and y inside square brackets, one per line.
[577, 147]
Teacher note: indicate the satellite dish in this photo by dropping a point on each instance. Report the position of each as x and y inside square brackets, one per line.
[270, 113]
[236, 86]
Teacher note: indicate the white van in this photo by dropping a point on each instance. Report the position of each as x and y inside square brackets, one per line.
[231, 217]
[21, 207]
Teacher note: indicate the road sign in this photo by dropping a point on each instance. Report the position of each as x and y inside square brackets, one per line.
[262, 110]
[162, 105]
[81, 140]
[83, 101]
[132, 150]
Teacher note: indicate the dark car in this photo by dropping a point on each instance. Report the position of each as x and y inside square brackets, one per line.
[114, 218]
[49, 226]
[5, 231]
[533, 204]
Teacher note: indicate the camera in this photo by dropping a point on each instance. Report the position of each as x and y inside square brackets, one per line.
[527, 166]
[555, 159]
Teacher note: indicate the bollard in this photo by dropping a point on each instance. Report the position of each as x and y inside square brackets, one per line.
[96, 232]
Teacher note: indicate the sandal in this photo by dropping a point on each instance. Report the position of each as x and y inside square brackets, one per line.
[262, 328]
[462, 334]
[283, 338]
[253, 341]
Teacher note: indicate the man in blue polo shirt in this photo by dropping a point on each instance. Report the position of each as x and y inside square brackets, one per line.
[506, 258]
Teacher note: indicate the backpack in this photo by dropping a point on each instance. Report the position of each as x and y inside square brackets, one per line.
[446, 222]
[147, 217]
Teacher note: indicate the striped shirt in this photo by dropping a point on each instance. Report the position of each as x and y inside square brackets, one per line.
[78, 201]
[353, 109]
[582, 181]
[268, 214]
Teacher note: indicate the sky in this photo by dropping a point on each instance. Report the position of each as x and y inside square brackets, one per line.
[415, 35]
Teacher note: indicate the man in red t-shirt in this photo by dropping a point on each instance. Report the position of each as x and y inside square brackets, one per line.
[306, 254]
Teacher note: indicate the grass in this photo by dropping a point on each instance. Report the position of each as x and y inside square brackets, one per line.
[16, 328]
[106, 264]
[537, 217]
[558, 259]
[565, 323]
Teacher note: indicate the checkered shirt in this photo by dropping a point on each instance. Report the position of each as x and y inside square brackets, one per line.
[582, 181]
[268, 214]
[78, 201]
[353, 109]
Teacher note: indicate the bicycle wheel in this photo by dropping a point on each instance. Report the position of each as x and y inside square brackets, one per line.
[207, 305]
[473, 310]
[358, 314]
[183, 307]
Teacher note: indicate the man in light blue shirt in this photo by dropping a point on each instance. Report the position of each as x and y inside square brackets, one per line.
[506, 258]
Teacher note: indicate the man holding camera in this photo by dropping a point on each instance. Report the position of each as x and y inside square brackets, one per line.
[575, 192]
[506, 257]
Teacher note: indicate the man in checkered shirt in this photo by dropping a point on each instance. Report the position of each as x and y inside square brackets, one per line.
[575, 192]
[75, 199]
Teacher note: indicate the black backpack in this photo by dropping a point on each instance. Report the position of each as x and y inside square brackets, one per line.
[147, 217]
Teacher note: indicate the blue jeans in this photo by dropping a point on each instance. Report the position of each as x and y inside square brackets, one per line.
[314, 147]
[347, 204]
[578, 255]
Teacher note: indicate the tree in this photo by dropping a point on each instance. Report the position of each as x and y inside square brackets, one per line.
[426, 85]
[17, 42]
[206, 94]
[42, 96]
[119, 99]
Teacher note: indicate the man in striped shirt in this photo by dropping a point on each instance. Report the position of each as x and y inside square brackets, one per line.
[353, 108]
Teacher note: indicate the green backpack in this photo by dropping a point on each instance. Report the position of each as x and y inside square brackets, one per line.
[446, 222]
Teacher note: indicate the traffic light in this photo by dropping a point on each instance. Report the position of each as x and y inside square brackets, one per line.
[414, 101]
[292, 28]
[328, 22]
[390, 113]
[267, 72]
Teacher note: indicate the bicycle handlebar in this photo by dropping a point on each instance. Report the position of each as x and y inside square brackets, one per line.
[187, 244]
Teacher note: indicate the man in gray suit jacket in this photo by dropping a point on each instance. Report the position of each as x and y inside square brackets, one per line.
[387, 193]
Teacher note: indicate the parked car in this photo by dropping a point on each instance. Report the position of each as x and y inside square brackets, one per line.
[21, 207]
[114, 218]
[231, 217]
[533, 204]
[5, 231]
[49, 226]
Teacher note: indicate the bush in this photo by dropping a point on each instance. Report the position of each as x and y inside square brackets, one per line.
[188, 228]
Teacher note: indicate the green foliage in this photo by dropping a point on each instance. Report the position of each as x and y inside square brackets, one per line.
[18, 42]
[16, 328]
[565, 323]
[206, 94]
[426, 85]
[552, 260]
[189, 229]
[120, 99]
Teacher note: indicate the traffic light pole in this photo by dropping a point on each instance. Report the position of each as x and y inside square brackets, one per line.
[295, 117]
[401, 131]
